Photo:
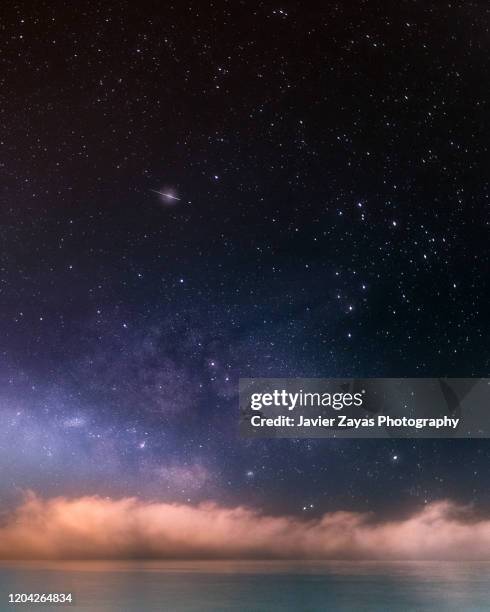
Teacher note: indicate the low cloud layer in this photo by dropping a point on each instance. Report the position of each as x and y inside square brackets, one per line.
[101, 528]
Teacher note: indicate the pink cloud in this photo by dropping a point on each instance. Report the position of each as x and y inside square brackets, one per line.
[102, 528]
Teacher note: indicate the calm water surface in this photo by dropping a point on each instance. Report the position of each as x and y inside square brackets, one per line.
[267, 586]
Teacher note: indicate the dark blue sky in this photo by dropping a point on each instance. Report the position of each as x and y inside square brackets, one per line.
[332, 221]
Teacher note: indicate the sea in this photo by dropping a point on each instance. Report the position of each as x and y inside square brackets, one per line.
[248, 586]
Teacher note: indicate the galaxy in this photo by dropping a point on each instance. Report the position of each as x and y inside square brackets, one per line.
[192, 193]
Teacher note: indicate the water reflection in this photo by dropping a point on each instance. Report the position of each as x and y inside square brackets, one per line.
[253, 585]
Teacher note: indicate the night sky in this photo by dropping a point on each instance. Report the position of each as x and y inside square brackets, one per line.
[329, 217]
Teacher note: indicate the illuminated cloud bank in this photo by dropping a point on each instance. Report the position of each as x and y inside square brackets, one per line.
[101, 528]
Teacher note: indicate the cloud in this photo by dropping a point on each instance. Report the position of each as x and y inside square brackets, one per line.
[102, 528]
